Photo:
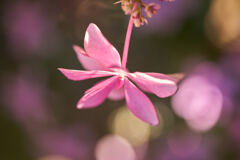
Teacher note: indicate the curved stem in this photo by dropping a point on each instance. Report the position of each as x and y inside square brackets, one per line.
[127, 42]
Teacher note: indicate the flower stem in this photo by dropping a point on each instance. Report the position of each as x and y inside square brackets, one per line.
[127, 42]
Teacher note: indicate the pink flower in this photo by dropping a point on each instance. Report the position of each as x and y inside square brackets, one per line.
[101, 59]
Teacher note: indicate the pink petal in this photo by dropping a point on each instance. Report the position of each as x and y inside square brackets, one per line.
[87, 62]
[77, 75]
[116, 94]
[98, 47]
[162, 86]
[139, 104]
[96, 86]
[174, 77]
[98, 93]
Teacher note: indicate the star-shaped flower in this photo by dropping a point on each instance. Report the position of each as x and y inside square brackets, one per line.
[101, 59]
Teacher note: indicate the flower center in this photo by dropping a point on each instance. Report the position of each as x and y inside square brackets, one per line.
[120, 72]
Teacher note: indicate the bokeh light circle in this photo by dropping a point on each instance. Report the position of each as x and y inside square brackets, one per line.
[199, 102]
[113, 147]
[125, 124]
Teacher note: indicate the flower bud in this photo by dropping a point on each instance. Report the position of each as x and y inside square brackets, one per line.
[151, 9]
[127, 6]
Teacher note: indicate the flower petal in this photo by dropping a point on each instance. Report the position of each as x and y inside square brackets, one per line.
[77, 75]
[98, 93]
[87, 62]
[98, 47]
[139, 104]
[116, 94]
[174, 77]
[162, 86]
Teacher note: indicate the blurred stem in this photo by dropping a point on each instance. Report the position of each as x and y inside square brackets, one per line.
[127, 42]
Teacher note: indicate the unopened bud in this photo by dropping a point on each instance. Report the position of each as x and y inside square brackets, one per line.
[151, 9]
[127, 6]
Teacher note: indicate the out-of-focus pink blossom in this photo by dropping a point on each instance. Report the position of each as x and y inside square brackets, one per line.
[112, 147]
[74, 143]
[199, 102]
[25, 98]
[27, 28]
[185, 145]
[221, 76]
[103, 60]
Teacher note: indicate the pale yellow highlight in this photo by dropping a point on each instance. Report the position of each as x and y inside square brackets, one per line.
[223, 22]
[125, 124]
